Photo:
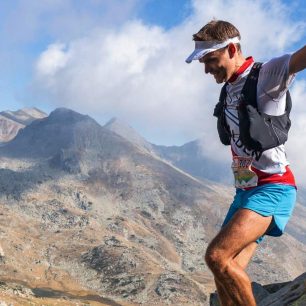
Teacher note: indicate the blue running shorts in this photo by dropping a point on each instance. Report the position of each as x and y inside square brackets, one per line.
[275, 200]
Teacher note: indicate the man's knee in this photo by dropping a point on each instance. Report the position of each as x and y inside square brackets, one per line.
[216, 260]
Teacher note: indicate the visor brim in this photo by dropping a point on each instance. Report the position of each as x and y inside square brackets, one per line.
[197, 54]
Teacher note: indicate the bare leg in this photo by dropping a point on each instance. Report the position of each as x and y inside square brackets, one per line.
[224, 297]
[241, 259]
[244, 229]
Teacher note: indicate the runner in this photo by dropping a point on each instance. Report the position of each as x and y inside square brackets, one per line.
[265, 186]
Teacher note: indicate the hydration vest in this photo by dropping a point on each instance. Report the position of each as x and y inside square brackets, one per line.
[258, 131]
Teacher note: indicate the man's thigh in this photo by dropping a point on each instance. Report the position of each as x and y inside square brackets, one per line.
[245, 227]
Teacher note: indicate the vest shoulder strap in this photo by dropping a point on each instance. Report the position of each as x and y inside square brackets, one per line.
[219, 108]
[249, 90]
[223, 93]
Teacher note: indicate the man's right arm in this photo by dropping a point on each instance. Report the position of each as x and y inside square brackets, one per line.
[297, 61]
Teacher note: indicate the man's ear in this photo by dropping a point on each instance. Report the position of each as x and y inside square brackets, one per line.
[232, 50]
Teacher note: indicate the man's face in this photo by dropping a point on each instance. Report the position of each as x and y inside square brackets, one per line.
[218, 64]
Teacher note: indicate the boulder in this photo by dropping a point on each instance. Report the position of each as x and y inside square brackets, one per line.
[290, 293]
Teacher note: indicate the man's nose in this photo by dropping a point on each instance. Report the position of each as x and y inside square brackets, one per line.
[206, 68]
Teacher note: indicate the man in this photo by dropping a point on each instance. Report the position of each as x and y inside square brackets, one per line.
[264, 201]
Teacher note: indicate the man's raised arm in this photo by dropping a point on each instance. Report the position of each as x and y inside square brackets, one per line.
[298, 61]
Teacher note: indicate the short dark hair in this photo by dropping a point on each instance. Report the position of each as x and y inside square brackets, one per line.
[217, 30]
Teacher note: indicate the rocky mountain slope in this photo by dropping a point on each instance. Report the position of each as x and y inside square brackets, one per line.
[188, 157]
[12, 121]
[128, 133]
[86, 215]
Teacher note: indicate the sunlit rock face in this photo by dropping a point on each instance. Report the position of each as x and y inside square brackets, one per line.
[12, 121]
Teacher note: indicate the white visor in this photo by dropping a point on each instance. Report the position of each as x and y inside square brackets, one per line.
[204, 47]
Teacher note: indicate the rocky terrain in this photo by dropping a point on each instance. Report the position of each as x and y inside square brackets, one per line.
[89, 218]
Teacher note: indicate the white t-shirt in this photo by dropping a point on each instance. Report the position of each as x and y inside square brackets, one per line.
[273, 83]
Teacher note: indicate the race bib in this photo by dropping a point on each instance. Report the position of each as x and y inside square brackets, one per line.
[243, 174]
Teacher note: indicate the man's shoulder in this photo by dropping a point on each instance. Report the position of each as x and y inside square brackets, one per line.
[279, 62]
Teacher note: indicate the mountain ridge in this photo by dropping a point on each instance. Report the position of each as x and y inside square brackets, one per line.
[13, 121]
[92, 211]
[189, 157]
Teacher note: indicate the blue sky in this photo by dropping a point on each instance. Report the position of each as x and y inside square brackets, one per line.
[165, 13]
[58, 53]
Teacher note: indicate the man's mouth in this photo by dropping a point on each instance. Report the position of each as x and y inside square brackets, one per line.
[218, 76]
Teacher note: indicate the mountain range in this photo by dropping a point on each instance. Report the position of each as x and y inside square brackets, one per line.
[98, 214]
[12, 121]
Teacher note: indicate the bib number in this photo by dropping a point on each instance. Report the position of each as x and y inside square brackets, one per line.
[244, 176]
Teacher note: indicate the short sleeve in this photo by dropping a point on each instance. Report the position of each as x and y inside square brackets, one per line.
[274, 78]
[273, 83]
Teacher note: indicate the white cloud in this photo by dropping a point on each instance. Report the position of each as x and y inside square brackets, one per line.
[137, 72]
[52, 60]
[297, 137]
[28, 26]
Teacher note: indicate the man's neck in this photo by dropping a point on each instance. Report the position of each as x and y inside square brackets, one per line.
[241, 65]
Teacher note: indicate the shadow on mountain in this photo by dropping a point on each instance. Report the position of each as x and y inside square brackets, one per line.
[15, 183]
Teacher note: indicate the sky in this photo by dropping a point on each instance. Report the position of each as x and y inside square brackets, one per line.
[126, 59]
